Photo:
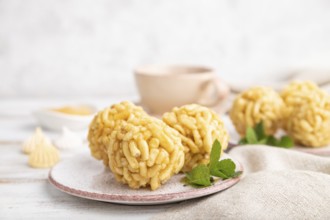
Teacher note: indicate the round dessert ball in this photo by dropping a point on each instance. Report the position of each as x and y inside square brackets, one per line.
[144, 152]
[255, 105]
[309, 124]
[103, 124]
[297, 94]
[198, 127]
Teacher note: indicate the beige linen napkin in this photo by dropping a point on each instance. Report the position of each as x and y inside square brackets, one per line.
[277, 184]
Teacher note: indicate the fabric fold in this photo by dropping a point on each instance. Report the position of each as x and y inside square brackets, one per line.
[277, 184]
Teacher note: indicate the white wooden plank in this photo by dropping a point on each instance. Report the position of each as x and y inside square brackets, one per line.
[13, 163]
[40, 200]
[18, 129]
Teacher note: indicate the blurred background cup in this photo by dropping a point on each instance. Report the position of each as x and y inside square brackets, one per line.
[162, 87]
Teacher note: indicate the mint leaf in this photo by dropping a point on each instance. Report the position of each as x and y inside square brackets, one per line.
[219, 173]
[226, 167]
[237, 174]
[199, 176]
[272, 141]
[257, 135]
[215, 154]
[285, 142]
[251, 136]
[243, 141]
[259, 130]
[262, 141]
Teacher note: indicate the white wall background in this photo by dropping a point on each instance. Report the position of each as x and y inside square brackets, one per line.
[54, 48]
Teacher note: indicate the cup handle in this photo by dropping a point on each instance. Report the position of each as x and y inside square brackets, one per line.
[213, 92]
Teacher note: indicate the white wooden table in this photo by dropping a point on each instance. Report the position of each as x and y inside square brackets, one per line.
[26, 193]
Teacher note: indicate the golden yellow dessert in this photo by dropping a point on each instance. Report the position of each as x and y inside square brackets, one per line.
[74, 110]
[307, 114]
[297, 94]
[255, 105]
[104, 123]
[140, 150]
[198, 127]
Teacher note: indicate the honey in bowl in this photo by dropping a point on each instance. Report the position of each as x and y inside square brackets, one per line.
[74, 110]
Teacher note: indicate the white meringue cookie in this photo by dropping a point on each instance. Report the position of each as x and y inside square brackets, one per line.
[37, 139]
[44, 156]
[68, 139]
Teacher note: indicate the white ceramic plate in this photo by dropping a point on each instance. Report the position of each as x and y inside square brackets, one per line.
[85, 177]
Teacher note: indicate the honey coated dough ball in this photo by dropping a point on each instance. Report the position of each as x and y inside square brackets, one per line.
[297, 94]
[144, 151]
[198, 127]
[255, 105]
[309, 124]
[103, 124]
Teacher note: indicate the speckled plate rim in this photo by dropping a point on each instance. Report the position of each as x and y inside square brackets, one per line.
[157, 199]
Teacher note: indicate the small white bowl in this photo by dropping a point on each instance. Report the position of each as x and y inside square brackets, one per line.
[54, 120]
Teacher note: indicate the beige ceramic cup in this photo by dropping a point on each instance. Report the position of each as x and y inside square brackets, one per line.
[163, 87]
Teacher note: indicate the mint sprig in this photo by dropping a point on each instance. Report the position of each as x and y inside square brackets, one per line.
[257, 135]
[202, 175]
[199, 176]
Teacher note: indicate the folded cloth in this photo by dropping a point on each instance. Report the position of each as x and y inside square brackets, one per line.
[277, 184]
